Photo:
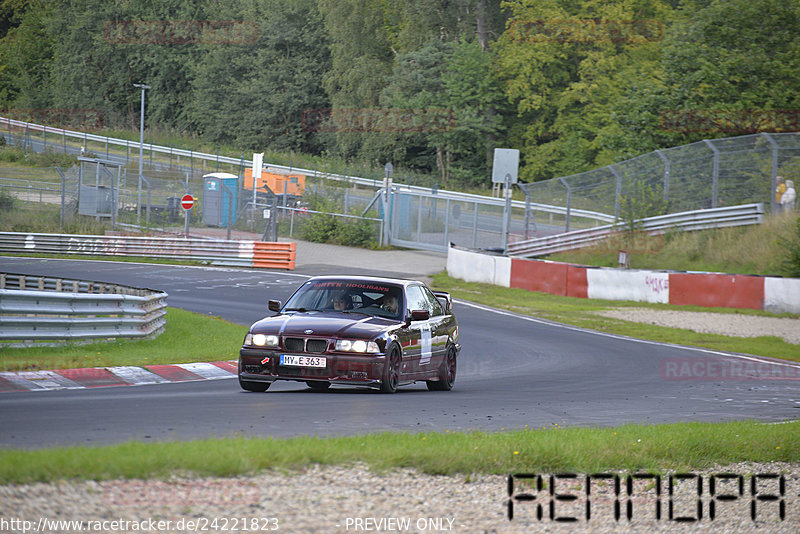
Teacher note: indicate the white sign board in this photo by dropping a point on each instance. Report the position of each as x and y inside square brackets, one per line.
[258, 162]
[506, 162]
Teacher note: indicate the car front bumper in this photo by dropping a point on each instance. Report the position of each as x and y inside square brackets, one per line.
[350, 369]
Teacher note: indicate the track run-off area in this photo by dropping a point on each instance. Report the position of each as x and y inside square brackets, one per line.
[513, 372]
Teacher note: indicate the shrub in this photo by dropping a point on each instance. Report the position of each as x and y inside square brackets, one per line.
[6, 201]
[791, 263]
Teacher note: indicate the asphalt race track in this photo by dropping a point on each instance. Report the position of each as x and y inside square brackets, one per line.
[513, 372]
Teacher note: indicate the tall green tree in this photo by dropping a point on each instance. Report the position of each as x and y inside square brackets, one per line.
[361, 63]
[264, 94]
[26, 55]
[730, 62]
[565, 64]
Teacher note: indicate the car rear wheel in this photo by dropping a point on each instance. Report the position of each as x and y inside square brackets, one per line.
[391, 371]
[447, 373]
[316, 385]
[247, 385]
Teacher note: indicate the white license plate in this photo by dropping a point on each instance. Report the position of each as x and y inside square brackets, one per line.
[302, 361]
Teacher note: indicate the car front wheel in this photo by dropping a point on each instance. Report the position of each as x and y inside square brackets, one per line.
[391, 371]
[447, 373]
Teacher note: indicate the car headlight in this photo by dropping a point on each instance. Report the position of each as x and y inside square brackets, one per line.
[359, 345]
[261, 340]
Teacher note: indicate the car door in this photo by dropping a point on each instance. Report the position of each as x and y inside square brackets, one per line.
[420, 344]
[439, 324]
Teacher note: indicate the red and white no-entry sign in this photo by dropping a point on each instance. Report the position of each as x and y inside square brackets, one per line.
[187, 202]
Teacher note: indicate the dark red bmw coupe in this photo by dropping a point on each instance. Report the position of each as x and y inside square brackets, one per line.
[354, 330]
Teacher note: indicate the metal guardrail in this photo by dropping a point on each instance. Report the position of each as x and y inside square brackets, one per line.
[369, 182]
[34, 309]
[216, 252]
[688, 220]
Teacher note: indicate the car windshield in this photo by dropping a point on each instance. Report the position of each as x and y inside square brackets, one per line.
[349, 296]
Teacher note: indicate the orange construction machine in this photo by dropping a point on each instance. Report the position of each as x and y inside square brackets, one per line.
[291, 184]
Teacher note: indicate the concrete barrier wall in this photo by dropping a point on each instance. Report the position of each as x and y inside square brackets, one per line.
[780, 295]
[717, 290]
[619, 284]
[476, 267]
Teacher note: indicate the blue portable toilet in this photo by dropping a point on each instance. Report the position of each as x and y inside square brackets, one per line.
[220, 197]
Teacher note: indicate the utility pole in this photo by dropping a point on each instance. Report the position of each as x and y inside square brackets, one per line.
[143, 87]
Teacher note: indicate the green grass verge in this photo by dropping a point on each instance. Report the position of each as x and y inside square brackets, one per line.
[627, 448]
[583, 313]
[755, 249]
[207, 338]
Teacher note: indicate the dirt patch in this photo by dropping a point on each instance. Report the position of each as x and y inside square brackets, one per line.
[725, 324]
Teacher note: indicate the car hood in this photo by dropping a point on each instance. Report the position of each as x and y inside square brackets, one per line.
[325, 324]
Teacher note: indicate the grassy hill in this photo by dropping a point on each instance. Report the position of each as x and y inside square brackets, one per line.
[764, 249]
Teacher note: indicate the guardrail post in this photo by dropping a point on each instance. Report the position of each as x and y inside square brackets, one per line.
[715, 172]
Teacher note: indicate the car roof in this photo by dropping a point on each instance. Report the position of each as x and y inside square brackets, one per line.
[360, 278]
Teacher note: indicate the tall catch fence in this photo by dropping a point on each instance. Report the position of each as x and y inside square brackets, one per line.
[707, 174]
[312, 205]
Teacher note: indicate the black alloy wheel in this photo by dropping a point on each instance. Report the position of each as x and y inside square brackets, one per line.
[447, 373]
[391, 371]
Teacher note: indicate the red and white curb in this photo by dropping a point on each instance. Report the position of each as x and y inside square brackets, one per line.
[94, 377]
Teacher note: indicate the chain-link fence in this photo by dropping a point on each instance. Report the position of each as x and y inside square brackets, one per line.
[706, 174]
[106, 188]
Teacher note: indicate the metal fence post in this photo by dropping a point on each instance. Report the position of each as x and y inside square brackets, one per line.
[475, 227]
[569, 202]
[63, 197]
[447, 223]
[773, 204]
[419, 215]
[506, 211]
[527, 212]
[618, 193]
[666, 174]
[715, 172]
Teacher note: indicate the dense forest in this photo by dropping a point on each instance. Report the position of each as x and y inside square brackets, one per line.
[431, 85]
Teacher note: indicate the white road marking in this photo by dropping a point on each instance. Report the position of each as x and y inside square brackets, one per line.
[136, 375]
[206, 370]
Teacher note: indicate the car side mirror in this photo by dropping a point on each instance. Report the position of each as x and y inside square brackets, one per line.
[445, 300]
[274, 305]
[420, 315]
